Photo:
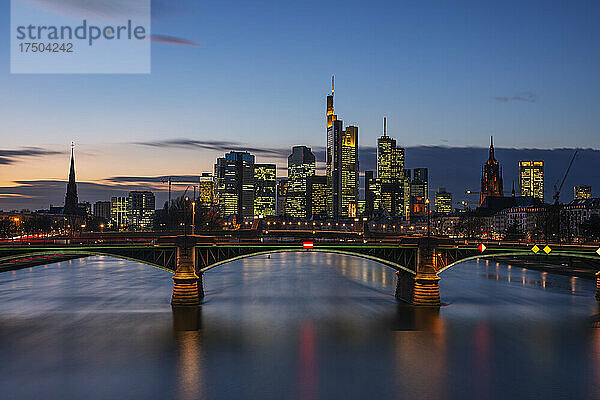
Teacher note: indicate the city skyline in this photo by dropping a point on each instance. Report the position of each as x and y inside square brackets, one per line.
[38, 193]
[347, 139]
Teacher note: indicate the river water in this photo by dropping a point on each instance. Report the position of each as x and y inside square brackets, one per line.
[295, 326]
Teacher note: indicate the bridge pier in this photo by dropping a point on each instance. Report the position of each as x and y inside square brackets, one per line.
[187, 286]
[426, 290]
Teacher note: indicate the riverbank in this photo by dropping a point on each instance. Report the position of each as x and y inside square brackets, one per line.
[35, 261]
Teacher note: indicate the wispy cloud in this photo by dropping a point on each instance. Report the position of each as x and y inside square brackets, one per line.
[103, 8]
[8, 157]
[115, 9]
[528, 97]
[173, 40]
[217, 145]
[152, 179]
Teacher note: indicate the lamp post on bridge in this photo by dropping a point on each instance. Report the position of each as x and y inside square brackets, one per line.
[187, 285]
[185, 209]
[428, 224]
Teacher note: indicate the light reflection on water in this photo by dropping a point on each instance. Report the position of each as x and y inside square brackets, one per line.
[299, 326]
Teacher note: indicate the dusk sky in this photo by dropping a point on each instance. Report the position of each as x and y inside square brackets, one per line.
[256, 77]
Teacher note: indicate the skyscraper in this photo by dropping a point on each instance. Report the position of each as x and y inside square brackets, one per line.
[141, 207]
[582, 192]
[349, 171]
[341, 164]
[234, 184]
[531, 179]
[205, 191]
[265, 186]
[119, 212]
[102, 210]
[419, 191]
[319, 194]
[282, 188]
[71, 201]
[443, 201]
[301, 167]
[390, 174]
[372, 193]
[491, 177]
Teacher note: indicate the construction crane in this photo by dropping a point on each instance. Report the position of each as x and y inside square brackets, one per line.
[559, 188]
[555, 209]
[170, 181]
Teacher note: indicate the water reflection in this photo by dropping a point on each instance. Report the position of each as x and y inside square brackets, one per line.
[296, 325]
[190, 373]
[308, 370]
[531, 278]
[187, 318]
[421, 367]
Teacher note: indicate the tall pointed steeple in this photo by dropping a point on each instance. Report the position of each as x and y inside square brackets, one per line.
[71, 200]
[491, 177]
[492, 148]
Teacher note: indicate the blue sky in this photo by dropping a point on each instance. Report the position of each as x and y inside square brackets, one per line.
[444, 73]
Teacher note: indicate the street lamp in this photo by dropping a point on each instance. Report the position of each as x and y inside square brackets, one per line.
[186, 199]
[428, 225]
[193, 216]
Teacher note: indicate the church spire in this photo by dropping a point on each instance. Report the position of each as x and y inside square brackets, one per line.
[71, 200]
[72, 170]
[492, 158]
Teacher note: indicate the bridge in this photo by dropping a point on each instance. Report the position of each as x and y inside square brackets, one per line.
[418, 261]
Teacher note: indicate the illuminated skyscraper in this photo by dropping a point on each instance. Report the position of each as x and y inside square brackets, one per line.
[265, 185]
[141, 209]
[419, 191]
[282, 189]
[301, 167]
[205, 191]
[531, 179]
[372, 193]
[341, 164]
[330, 113]
[390, 174]
[234, 184]
[491, 177]
[582, 192]
[319, 193]
[349, 181]
[119, 212]
[443, 201]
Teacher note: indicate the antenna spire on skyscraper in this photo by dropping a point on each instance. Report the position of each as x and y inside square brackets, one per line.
[384, 126]
[332, 82]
